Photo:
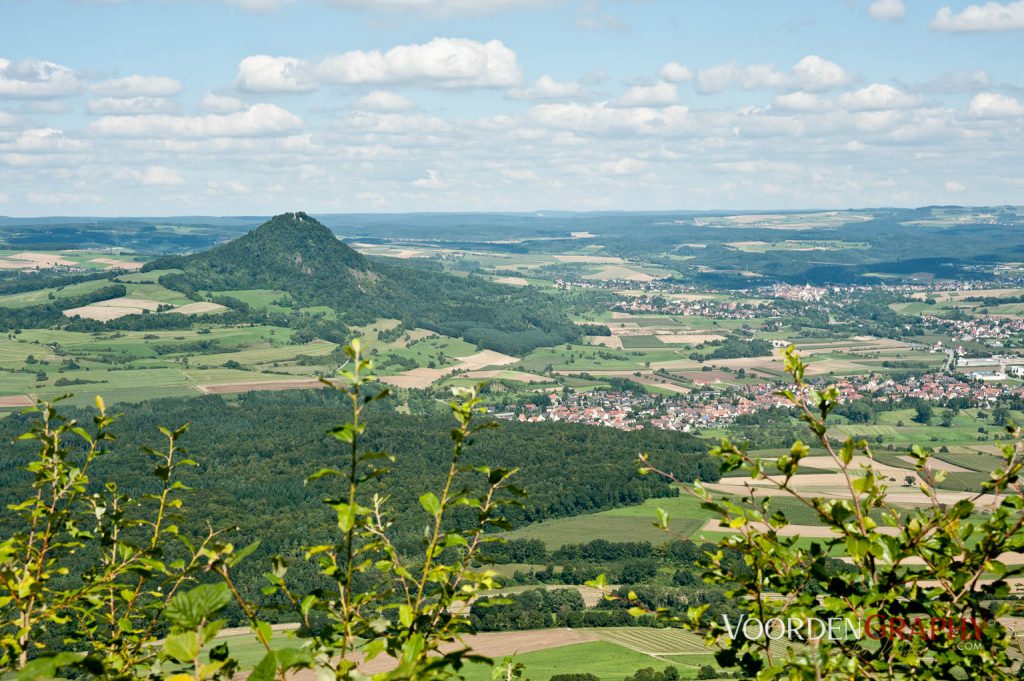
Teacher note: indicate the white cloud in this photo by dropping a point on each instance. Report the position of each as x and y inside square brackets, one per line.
[994, 105]
[35, 78]
[877, 97]
[887, 10]
[659, 94]
[7, 119]
[602, 119]
[138, 86]
[258, 5]
[220, 104]
[953, 82]
[442, 62]
[814, 74]
[811, 74]
[257, 121]
[46, 140]
[263, 73]
[116, 106]
[623, 166]
[955, 187]
[547, 88]
[382, 100]
[431, 181]
[800, 101]
[674, 72]
[992, 16]
[154, 176]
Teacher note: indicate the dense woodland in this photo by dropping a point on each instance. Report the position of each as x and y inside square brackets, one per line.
[255, 451]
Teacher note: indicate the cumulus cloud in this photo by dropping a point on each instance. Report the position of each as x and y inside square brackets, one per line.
[442, 62]
[887, 10]
[659, 94]
[7, 119]
[48, 140]
[877, 97]
[811, 74]
[995, 105]
[215, 103]
[117, 106]
[991, 16]
[952, 82]
[800, 101]
[603, 119]
[623, 166]
[548, 88]
[674, 72]
[154, 176]
[431, 181]
[257, 121]
[382, 100]
[138, 86]
[36, 78]
[263, 73]
[955, 187]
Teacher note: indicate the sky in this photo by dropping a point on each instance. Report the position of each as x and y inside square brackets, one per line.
[229, 107]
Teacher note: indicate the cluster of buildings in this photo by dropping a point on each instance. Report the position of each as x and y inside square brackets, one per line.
[628, 410]
[711, 309]
[991, 331]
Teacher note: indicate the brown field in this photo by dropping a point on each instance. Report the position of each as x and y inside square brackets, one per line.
[105, 310]
[810, 531]
[614, 342]
[198, 308]
[509, 375]
[620, 272]
[597, 259]
[512, 281]
[249, 386]
[16, 401]
[423, 378]
[100, 313]
[118, 264]
[943, 296]
[936, 464]
[42, 259]
[689, 338]
[705, 377]
[661, 383]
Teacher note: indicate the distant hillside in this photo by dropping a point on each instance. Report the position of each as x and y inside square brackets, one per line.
[295, 253]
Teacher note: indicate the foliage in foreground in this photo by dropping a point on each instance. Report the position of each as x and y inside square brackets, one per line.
[925, 590]
[115, 586]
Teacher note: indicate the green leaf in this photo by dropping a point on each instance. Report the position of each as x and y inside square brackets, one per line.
[430, 503]
[183, 647]
[266, 670]
[187, 610]
[46, 667]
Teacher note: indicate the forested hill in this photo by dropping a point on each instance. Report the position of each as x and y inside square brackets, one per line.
[254, 452]
[295, 253]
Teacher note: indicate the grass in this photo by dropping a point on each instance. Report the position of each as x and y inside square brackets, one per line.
[607, 661]
[42, 296]
[629, 523]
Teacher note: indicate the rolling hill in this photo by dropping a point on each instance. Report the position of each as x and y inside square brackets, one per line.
[296, 254]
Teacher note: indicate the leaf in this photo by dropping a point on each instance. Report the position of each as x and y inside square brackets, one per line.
[266, 670]
[187, 610]
[430, 503]
[183, 647]
[46, 667]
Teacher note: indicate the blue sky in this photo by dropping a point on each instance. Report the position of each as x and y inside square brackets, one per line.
[150, 107]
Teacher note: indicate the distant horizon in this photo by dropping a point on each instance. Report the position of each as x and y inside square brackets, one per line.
[526, 213]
